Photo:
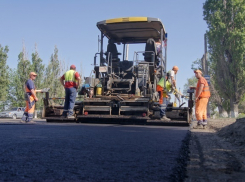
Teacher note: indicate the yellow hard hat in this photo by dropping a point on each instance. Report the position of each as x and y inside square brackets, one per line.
[175, 68]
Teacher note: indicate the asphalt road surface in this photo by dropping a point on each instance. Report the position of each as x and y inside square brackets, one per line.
[88, 152]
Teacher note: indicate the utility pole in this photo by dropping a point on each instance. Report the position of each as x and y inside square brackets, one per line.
[204, 58]
[205, 54]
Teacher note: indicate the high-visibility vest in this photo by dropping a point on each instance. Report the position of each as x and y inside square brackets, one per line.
[205, 92]
[161, 82]
[70, 76]
[168, 84]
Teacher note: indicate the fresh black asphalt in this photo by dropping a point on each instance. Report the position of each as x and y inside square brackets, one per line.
[88, 152]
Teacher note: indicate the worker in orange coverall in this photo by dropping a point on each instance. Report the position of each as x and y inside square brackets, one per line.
[31, 99]
[201, 99]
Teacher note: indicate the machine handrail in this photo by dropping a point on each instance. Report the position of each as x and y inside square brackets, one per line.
[137, 52]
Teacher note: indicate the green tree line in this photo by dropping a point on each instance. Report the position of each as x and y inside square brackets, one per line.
[12, 81]
[226, 49]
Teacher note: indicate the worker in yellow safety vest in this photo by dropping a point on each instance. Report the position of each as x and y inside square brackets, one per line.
[162, 99]
[163, 94]
[72, 81]
[171, 82]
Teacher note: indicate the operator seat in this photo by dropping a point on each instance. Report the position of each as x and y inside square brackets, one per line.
[112, 48]
[150, 46]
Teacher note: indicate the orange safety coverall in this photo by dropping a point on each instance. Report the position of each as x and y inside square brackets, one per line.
[30, 106]
[162, 94]
[202, 101]
[160, 91]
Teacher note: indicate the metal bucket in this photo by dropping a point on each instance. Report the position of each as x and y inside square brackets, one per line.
[98, 91]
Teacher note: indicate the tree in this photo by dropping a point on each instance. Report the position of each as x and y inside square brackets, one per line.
[217, 98]
[197, 65]
[52, 75]
[4, 76]
[218, 101]
[38, 68]
[81, 73]
[226, 37]
[242, 105]
[19, 77]
[191, 82]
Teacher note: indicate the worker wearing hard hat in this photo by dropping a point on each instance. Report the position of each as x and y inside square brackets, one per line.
[72, 81]
[163, 94]
[162, 99]
[201, 98]
[171, 82]
[31, 99]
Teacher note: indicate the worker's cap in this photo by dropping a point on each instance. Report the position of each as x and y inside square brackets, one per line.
[73, 67]
[197, 71]
[33, 73]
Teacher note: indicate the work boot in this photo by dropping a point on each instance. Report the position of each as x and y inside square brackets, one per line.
[164, 118]
[21, 121]
[204, 123]
[199, 122]
[199, 125]
[70, 117]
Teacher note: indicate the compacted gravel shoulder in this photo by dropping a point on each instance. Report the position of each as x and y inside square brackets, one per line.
[217, 152]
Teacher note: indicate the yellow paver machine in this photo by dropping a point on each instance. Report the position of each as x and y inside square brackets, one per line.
[120, 88]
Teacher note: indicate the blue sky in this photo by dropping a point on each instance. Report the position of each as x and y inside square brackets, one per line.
[71, 26]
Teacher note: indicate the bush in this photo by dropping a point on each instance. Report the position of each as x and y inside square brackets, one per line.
[241, 115]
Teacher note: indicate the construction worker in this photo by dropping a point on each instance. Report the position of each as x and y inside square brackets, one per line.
[201, 99]
[171, 77]
[171, 84]
[72, 81]
[159, 46]
[162, 100]
[31, 99]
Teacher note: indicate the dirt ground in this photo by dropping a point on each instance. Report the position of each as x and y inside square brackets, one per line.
[217, 153]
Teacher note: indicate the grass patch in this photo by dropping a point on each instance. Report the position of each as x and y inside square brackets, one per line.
[241, 115]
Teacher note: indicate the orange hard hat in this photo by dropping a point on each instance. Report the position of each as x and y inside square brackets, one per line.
[175, 68]
[197, 71]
